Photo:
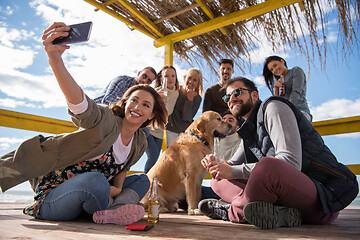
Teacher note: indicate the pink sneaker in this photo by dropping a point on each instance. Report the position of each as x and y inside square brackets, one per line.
[123, 215]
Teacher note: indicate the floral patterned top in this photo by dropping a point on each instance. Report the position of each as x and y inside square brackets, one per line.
[105, 165]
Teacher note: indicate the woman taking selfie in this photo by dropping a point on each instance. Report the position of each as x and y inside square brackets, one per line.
[85, 171]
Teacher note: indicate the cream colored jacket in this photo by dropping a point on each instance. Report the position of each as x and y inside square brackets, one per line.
[98, 130]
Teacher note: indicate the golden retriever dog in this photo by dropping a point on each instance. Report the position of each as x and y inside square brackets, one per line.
[179, 170]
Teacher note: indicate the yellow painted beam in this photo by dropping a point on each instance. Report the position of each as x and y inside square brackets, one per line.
[169, 53]
[43, 124]
[222, 21]
[109, 2]
[177, 13]
[104, 8]
[338, 126]
[50, 125]
[141, 16]
[30, 122]
[355, 168]
[208, 12]
[301, 5]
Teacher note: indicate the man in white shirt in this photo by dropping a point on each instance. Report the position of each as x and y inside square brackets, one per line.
[226, 147]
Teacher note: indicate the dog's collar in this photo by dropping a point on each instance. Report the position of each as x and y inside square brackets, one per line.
[201, 139]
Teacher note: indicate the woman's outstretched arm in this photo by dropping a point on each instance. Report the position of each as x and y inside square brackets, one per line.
[71, 90]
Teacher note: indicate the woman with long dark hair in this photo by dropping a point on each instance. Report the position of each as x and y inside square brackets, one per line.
[287, 83]
[85, 171]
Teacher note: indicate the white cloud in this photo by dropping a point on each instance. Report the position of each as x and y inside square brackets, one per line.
[6, 10]
[6, 142]
[16, 58]
[8, 37]
[11, 103]
[349, 135]
[336, 108]
[113, 50]
[28, 87]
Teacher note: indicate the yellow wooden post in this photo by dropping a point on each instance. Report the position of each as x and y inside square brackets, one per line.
[168, 61]
[169, 48]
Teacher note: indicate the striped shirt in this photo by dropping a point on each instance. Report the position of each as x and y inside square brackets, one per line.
[115, 89]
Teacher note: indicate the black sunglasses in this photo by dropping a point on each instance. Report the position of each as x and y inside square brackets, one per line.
[235, 93]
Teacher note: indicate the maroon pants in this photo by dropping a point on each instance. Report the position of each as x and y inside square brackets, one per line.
[273, 181]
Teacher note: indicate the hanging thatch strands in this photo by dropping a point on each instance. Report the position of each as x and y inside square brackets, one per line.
[196, 27]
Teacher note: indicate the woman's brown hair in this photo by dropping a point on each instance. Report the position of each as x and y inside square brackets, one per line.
[160, 113]
[159, 76]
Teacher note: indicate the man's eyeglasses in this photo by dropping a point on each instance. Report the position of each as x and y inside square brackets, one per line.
[235, 93]
[146, 78]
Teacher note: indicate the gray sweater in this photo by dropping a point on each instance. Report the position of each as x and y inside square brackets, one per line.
[279, 121]
[183, 113]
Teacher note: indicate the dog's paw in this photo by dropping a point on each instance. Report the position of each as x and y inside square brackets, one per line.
[195, 211]
[163, 209]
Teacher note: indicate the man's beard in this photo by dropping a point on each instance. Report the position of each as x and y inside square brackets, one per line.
[243, 109]
[225, 78]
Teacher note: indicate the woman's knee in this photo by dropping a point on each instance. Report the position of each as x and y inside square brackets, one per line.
[143, 178]
[142, 185]
[95, 183]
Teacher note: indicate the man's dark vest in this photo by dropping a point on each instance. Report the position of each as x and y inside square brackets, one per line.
[336, 184]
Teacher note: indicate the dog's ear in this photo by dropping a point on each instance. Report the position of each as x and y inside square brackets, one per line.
[201, 127]
[197, 126]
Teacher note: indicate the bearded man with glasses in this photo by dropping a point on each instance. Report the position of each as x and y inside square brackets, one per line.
[283, 174]
[119, 85]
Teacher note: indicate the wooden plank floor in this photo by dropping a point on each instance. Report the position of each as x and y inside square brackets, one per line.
[15, 225]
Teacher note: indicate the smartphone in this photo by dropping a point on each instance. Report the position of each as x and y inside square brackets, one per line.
[139, 227]
[77, 33]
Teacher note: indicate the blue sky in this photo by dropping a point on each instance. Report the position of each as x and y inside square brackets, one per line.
[27, 84]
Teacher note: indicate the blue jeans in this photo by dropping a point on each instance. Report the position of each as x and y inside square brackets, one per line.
[87, 192]
[152, 151]
[207, 192]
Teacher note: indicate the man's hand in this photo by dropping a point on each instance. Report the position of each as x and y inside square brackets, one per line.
[207, 161]
[221, 170]
[190, 93]
[277, 85]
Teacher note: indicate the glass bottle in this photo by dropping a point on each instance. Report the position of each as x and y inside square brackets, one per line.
[217, 149]
[154, 203]
[164, 86]
[282, 88]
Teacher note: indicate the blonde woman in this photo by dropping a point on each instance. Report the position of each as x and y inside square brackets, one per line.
[186, 106]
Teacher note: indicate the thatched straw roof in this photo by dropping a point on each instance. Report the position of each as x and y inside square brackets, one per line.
[285, 25]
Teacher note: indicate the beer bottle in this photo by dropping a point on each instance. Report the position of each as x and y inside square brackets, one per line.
[282, 88]
[154, 203]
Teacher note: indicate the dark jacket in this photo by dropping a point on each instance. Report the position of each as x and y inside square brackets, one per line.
[336, 184]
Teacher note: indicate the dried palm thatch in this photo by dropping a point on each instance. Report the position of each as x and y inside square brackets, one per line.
[285, 26]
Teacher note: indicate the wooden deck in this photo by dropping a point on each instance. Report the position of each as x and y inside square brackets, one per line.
[15, 225]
